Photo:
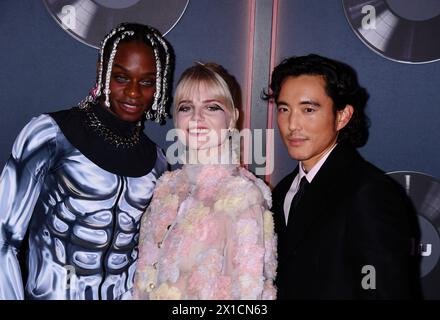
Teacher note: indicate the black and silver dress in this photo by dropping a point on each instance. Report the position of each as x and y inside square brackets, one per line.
[75, 187]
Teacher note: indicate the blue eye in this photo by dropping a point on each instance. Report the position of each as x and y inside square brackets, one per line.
[121, 79]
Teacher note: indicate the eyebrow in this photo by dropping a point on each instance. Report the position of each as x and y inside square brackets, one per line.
[212, 100]
[304, 102]
[127, 71]
[313, 103]
[204, 101]
[281, 103]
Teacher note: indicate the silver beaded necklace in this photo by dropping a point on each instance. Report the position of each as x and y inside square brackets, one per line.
[105, 132]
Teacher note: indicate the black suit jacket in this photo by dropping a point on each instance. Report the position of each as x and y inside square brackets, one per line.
[350, 218]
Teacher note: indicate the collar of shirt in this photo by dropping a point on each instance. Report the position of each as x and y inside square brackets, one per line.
[312, 173]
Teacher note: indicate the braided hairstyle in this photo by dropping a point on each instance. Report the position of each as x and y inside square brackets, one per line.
[127, 32]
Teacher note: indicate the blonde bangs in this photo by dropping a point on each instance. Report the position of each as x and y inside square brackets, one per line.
[190, 84]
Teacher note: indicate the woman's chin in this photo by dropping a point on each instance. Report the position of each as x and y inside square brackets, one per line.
[199, 147]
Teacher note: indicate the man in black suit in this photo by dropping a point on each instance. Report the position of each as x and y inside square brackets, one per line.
[344, 228]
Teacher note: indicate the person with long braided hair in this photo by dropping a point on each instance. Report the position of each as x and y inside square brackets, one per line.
[78, 181]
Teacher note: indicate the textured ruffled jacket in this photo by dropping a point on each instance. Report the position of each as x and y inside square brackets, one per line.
[208, 234]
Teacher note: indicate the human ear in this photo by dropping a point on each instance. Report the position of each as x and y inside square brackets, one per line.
[343, 116]
[234, 118]
[236, 114]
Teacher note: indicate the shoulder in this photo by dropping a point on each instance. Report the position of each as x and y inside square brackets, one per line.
[171, 188]
[170, 179]
[365, 177]
[372, 193]
[43, 122]
[255, 187]
[284, 184]
[349, 172]
[38, 131]
[377, 185]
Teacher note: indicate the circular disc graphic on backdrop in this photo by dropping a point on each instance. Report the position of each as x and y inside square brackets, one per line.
[424, 191]
[90, 20]
[400, 30]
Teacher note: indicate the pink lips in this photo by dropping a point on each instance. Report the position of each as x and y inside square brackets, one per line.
[198, 131]
[296, 142]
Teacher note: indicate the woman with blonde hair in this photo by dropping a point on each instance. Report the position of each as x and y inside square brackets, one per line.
[208, 233]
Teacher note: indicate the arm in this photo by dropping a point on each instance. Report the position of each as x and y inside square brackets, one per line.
[270, 257]
[380, 229]
[144, 272]
[245, 254]
[252, 246]
[251, 242]
[152, 224]
[20, 185]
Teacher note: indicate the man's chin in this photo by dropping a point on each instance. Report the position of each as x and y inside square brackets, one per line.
[296, 155]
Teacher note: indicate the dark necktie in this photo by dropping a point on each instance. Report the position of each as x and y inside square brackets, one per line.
[299, 194]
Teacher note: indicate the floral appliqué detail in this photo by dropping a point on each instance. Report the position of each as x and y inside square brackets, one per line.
[208, 234]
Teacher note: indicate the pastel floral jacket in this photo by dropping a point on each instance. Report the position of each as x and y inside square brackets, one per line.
[207, 234]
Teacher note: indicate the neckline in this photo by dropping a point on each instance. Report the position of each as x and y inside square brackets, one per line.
[135, 161]
[116, 124]
[209, 173]
[115, 131]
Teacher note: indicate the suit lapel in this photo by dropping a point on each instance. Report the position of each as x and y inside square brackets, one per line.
[309, 209]
[314, 206]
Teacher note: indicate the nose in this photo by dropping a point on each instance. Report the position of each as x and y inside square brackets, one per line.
[132, 90]
[197, 114]
[294, 122]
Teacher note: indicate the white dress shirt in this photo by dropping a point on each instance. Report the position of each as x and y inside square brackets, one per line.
[295, 184]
